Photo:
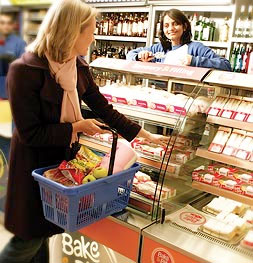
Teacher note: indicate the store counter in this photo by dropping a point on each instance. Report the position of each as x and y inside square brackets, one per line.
[121, 233]
[171, 245]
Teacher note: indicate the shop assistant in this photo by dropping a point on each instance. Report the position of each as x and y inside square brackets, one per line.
[176, 45]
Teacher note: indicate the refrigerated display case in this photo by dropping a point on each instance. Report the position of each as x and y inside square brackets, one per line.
[188, 175]
[216, 225]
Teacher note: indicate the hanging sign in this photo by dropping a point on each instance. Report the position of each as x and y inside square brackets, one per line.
[148, 68]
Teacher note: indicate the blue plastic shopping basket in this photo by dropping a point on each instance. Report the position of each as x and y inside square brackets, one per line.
[73, 208]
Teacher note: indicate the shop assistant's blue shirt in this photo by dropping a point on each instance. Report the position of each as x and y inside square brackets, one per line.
[202, 56]
[13, 48]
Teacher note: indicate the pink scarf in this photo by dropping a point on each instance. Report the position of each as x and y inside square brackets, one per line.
[66, 75]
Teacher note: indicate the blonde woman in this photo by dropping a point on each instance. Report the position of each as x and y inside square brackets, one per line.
[45, 88]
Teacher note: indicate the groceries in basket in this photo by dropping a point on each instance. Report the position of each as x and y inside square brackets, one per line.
[124, 159]
[88, 166]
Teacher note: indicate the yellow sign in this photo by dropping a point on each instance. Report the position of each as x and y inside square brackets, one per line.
[31, 2]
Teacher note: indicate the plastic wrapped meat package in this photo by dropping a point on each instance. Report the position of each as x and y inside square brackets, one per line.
[230, 107]
[217, 105]
[234, 142]
[220, 139]
[143, 185]
[245, 107]
[246, 147]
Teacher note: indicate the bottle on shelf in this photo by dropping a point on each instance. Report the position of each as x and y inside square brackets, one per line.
[115, 25]
[246, 59]
[224, 31]
[130, 25]
[198, 28]
[120, 25]
[240, 57]
[240, 23]
[193, 22]
[145, 26]
[106, 25]
[205, 32]
[247, 30]
[213, 31]
[97, 28]
[135, 25]
[111, 25]
[233, 56]
[101, 26]
[125, 26]
[158, 25]
[141, 26]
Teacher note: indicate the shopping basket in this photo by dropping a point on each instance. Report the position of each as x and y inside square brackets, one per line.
[73, 208]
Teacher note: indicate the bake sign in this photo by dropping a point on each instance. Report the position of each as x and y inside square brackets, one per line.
[161, 255]
[84, 251]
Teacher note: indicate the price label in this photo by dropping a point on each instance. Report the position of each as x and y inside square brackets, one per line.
[227, 114]
[214, 111]
[228, 150]
[250, 118]
[240, 116]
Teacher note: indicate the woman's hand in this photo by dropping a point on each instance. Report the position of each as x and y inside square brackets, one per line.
[145, 56]
[154, 138]
[89, 126]
[187, 60]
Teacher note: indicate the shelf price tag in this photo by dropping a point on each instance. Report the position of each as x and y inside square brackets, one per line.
[240, 116]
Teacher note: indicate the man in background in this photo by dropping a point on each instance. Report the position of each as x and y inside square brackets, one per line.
[11, 47]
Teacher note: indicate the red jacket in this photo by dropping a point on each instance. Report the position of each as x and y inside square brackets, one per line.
[40, 140]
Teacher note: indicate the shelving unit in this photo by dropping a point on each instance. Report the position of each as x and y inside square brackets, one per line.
[226, 159]
[154, 116]
[247, 126]
[222, 192]
[206, 43]
[242, 40]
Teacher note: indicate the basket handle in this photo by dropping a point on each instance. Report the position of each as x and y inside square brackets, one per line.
[114, 147]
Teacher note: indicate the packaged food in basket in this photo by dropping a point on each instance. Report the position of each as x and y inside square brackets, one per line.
[248, 240]
[73, 171]
[86, 154]
[57, 176]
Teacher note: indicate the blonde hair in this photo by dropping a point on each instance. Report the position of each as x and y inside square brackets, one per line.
[63, 23]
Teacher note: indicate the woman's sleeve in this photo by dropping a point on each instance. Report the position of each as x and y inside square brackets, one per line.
[24, 94]
[205, 57]
[133, 54]
[99, 105]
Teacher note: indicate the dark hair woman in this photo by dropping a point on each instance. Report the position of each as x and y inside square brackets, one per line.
[175, 33]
